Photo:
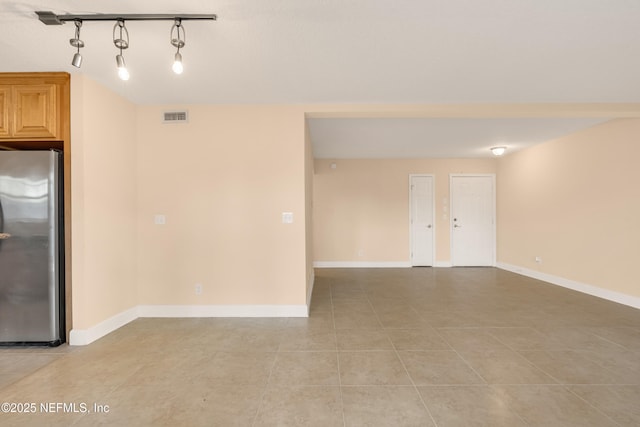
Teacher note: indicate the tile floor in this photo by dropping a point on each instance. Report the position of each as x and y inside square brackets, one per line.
[382, 347]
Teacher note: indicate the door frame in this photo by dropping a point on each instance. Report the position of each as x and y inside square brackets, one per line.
[493, 213]
[433, 216]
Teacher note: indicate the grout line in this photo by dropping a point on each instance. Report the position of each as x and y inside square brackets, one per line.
[395, 350]
[335, 336]
[415, 387]
[487, 384]
[266, 387]
[517, 352]
[344, 421]
[462, 358]
[566, 387]
[581, 330]
[611, 342]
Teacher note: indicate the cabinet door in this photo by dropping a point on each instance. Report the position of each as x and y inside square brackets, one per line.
[5, 92]
[35, 111]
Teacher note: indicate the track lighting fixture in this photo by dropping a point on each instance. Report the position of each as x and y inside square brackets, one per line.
[121, 34]
[77, 43]
[122, 42]
[178, 42]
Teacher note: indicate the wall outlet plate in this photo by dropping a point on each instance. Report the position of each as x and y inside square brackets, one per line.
[287, 217]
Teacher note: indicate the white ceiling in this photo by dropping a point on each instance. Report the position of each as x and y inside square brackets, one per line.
[356, 51]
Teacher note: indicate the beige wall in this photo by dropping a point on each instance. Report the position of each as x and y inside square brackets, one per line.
[575, 202]
[223, 180]
[308, 202]
[103, 203]
[361, 208]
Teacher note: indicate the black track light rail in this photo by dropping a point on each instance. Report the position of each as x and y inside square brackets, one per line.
[50, 18]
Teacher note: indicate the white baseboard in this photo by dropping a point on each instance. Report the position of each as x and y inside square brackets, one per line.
[572, 284]
[372, 264]
[87, 336]
[361, 264]
[223, 311]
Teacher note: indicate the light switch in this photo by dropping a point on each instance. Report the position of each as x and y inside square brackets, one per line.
[287, 217]
[160, 220]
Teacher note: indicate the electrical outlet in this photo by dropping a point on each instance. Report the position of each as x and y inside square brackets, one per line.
[287, 217]
[539, 260]
[198, 289]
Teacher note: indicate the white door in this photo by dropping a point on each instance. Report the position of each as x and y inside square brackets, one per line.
[421, 200]
[473, 220]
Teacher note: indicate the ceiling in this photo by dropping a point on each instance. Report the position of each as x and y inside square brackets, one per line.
[433, 138]
[356, 51]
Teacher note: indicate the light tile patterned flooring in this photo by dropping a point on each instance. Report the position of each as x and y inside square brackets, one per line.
[382, 347]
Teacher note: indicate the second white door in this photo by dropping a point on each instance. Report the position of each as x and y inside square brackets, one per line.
[472, 220]
[421, 200]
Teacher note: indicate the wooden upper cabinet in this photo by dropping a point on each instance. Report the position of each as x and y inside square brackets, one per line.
[5, 94]
[35, 112]
[32, 105]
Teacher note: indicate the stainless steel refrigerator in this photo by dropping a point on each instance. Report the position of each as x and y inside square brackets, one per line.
[31, 248]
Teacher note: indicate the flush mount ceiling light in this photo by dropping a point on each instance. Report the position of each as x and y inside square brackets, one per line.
[498, 151]
[77, 43]
[121, 34]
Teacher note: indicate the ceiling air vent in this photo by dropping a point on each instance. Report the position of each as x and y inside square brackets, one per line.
[175, 117]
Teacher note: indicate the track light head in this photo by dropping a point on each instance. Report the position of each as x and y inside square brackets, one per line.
[77, 60]
[77, 43]
[177, 64]
[123, 73]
